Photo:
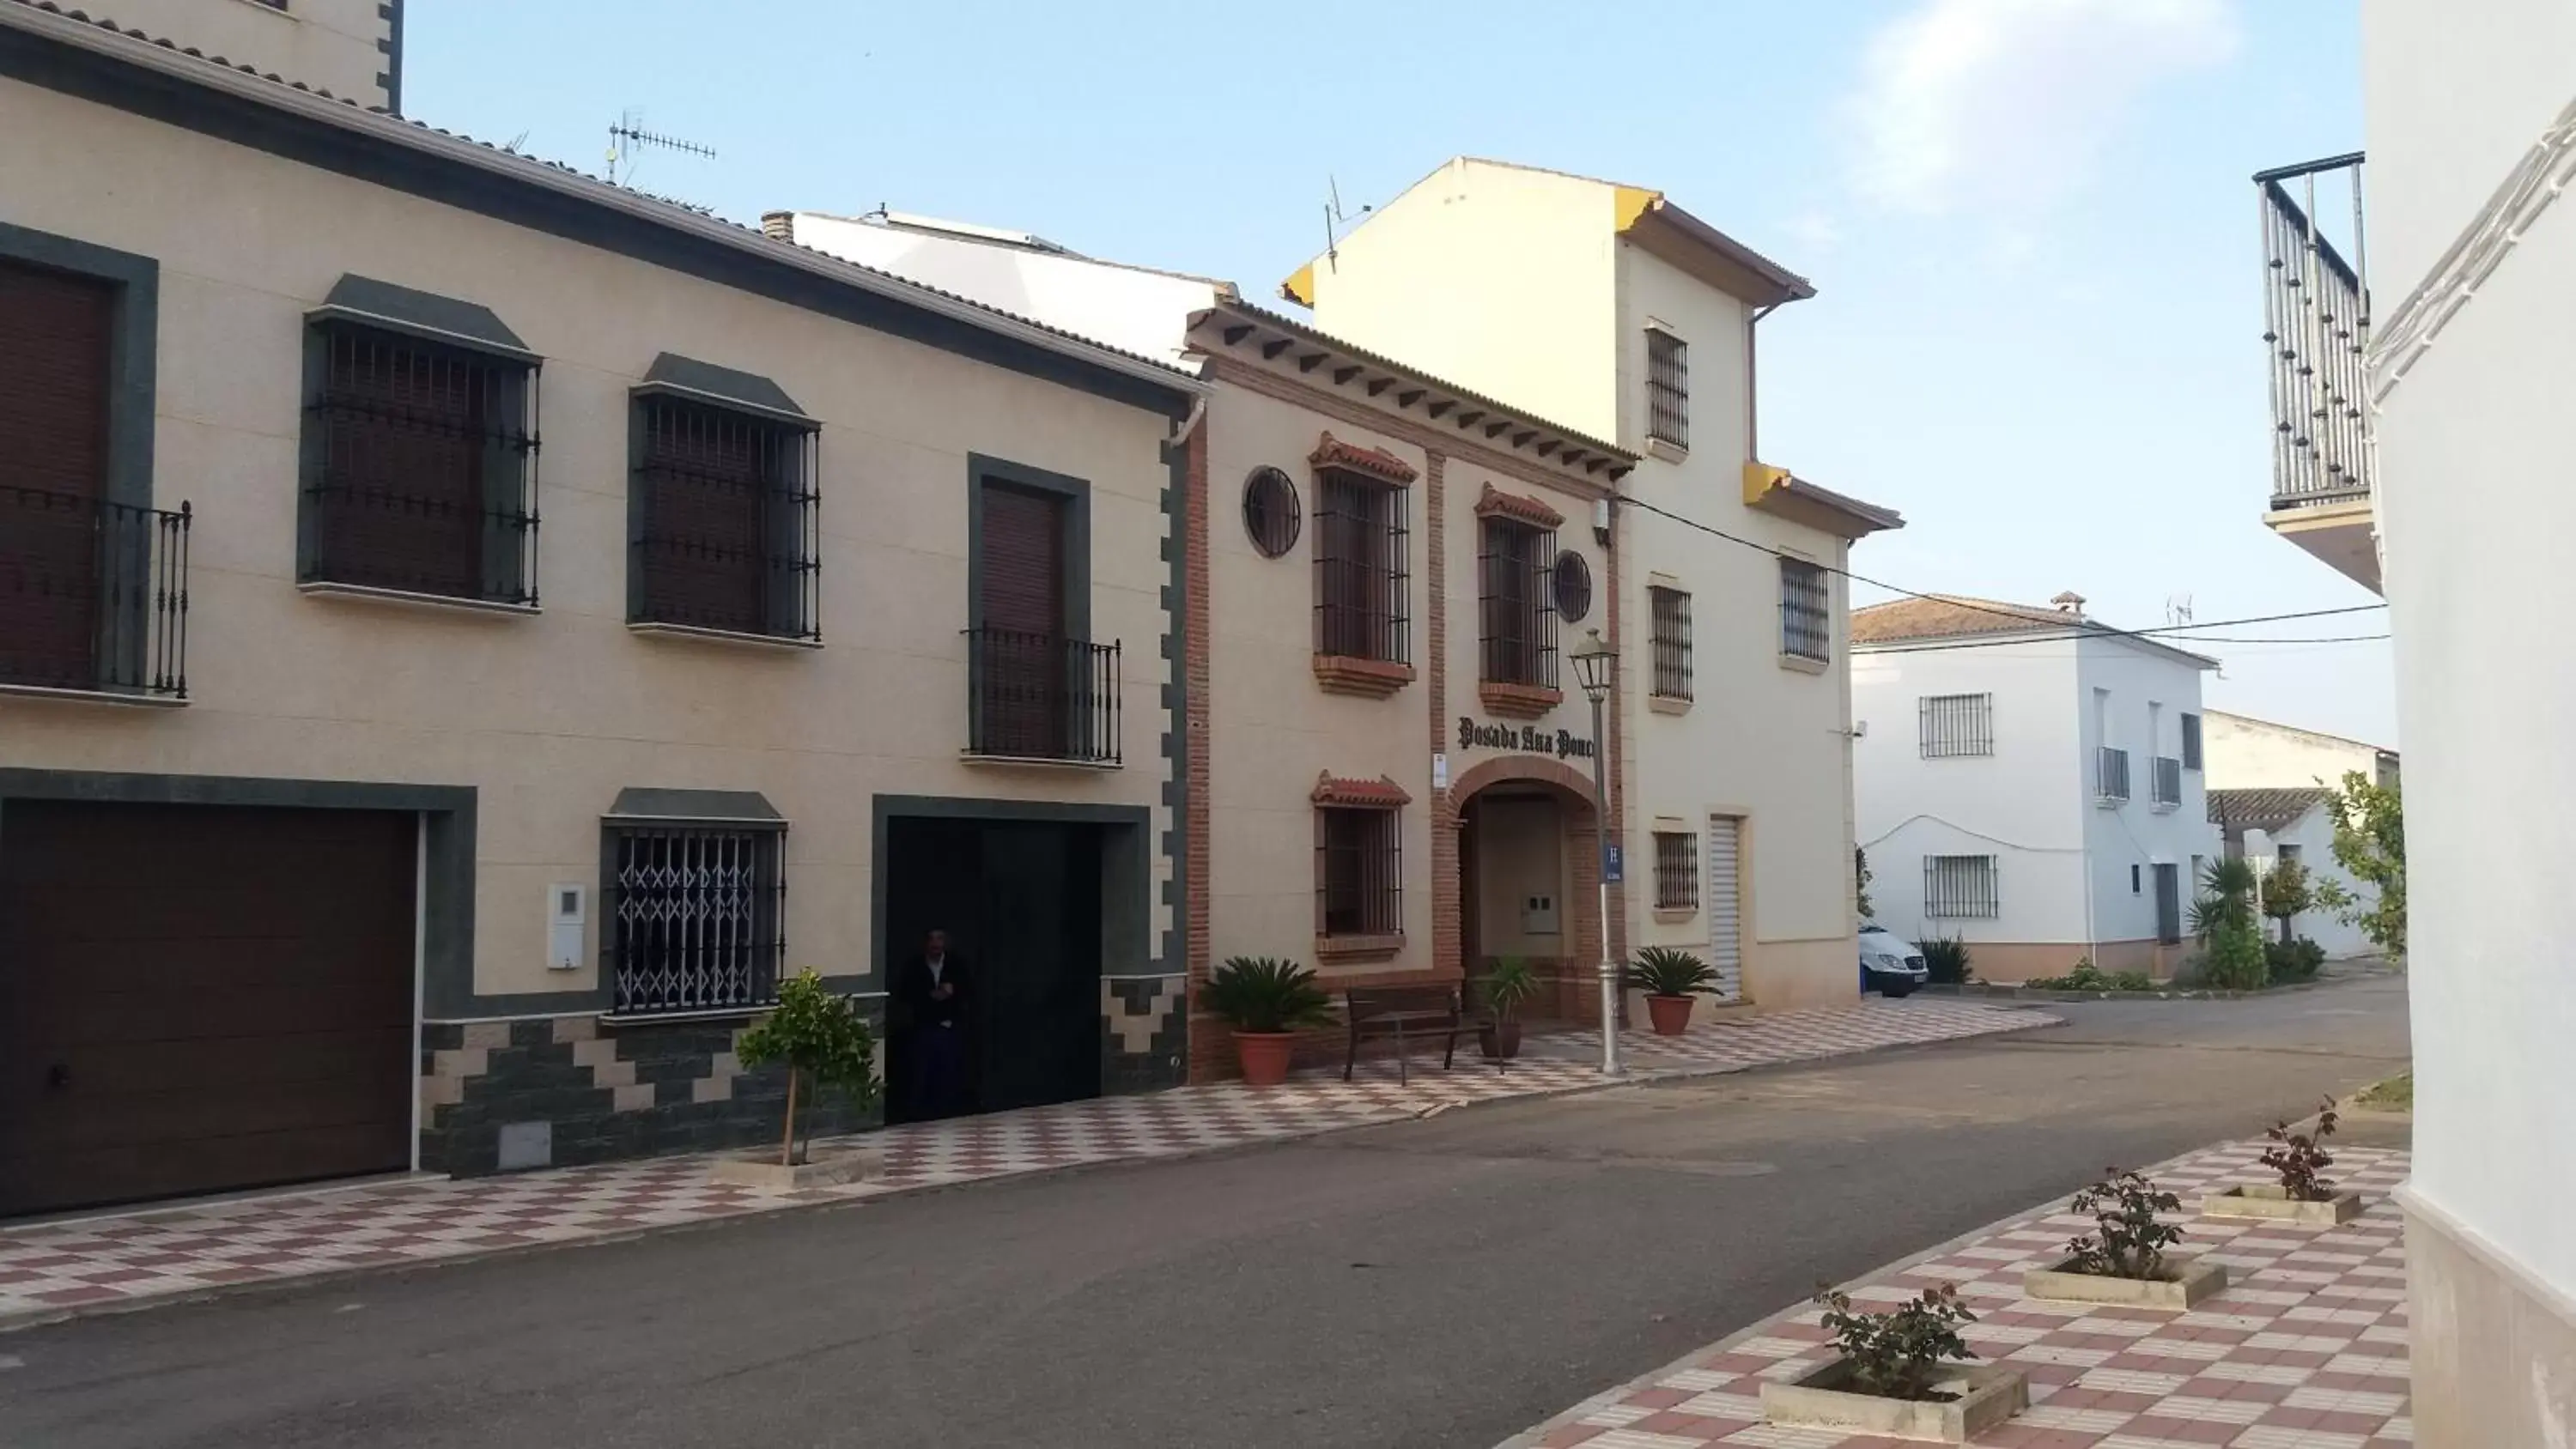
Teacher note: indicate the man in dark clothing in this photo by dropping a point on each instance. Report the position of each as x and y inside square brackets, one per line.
[934, 990]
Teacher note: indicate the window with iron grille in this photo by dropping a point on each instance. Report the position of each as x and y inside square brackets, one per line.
[691, 917]
[1669, 641]
[1676, 871]
[1806, 611]
[2191, 742]
[1572, 585]
[1957, 724]
[1960, 887]
[1359, 872]
[722, 515]
[419, 467]
[1667, 388]
[1515, 566]
[1360, 569]
[1270, 511]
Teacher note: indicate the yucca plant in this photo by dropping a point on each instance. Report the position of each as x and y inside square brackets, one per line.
[1508, 984]
[1262, 994]
[1666, 971]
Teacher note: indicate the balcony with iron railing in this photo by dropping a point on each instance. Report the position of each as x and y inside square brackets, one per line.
[2316, 334]
[93, 598]
[2110, 775]
[1041, 698]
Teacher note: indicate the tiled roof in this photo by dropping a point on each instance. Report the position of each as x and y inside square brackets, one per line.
[1518, 505]
[1332, 452]
[2264, 809]
[1380, 793]
[1950, 616]
[604, 191]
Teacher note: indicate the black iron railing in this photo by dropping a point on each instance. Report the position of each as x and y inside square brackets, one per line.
[1041, 697]
[93, 595]
[693, 918]
[2111, 774]
[2316, 325]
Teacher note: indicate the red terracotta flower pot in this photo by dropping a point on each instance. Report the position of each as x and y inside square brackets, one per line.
[1671, 1014]
[1264, 1055]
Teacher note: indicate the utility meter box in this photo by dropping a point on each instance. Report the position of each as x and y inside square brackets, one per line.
[568, 921]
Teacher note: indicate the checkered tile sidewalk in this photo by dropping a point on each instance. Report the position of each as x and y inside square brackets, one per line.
[49, 1270]
[2306, 1348]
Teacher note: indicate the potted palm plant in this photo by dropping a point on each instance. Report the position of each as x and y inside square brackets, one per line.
[1671, 978]
[1266, 1000]
[1505, 987]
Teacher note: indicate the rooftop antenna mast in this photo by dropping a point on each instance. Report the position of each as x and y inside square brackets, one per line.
[1334, 218]
[628, 136]
[2178, 610]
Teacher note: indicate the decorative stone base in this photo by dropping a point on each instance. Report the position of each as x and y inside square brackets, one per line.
[2494, 1342]
[1144, 1034]
[1988, 1395]
[2193, 1280]
[829, 1168]
[2269, 1203]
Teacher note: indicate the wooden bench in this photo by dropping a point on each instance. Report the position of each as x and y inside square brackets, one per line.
[1402, 1012]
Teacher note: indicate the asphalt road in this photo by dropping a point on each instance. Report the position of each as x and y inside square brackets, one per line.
[1444, 1282]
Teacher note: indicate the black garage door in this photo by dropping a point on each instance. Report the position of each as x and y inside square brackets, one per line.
[197, 998]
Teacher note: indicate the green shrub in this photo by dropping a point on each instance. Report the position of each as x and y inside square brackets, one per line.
[1898, 1354]
[1261, 995]
[2085, 977]
[1946, 962]
[2128, 1239]
[818, 1035]
[2132, 981]
[2297, 960]
[1664, 971]
[1510, 983]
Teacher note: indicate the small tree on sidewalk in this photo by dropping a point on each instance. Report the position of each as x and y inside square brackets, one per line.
[2287, 894]
[818, 1035]
[2370, 843]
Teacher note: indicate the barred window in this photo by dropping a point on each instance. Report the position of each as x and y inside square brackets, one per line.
[723, 520]
[2191, 742]
[692, 917]
[1359, 872]
[1960, 886]
[419, 467]
[1270, 511]
[1806, 611]
[1669, 641]
[1360, 569]
[1514, 567]
[1573, 587]
[1676, 871]
[1957, 724]
[1667, 388]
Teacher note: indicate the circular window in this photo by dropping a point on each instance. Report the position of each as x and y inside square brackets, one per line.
[1573, 587]
[1270, 511]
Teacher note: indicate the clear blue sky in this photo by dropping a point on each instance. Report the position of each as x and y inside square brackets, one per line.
[2029, 221]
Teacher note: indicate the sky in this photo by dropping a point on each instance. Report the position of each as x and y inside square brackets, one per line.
[2037, 329]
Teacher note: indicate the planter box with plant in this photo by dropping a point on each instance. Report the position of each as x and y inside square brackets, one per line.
[2301, 1196]
[1901, 1373]
[1671, 979]
[822, 1039]
[1266, 1000]
[2123, 1260]
[1505, 989]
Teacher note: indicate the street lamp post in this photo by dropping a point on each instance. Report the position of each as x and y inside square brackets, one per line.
[1595, 666]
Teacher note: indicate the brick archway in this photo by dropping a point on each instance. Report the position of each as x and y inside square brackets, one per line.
[1576, 999]
[1524, 769]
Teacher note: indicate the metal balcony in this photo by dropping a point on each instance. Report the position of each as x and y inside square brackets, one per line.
[2316, 325]
[2168, 783]
[2110, 775]
[1040, 697]
[93, 598]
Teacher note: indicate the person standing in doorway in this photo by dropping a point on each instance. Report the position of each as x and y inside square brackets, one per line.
[934, 989]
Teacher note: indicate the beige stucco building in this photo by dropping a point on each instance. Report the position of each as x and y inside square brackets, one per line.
[465, 629]
[1614, 311]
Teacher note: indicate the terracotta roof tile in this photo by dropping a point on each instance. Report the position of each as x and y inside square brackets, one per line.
[1381, 793]
[1950, 616]
[1376, 462]
[1518, 505]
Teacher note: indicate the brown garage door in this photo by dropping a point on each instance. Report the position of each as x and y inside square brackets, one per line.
[198, 998]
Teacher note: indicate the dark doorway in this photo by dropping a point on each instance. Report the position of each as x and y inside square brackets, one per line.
[1021, 903]
[197, 998]
[2168, 905]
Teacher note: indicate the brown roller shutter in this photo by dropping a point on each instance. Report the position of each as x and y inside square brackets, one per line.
[54, 353]
[1023, 668]
[707, 476]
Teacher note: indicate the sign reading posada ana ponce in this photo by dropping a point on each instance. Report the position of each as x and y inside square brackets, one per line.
[1528, 739]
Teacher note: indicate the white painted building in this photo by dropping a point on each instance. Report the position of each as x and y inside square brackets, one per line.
[2029, 782]
[2246, 753]
[2268, 825]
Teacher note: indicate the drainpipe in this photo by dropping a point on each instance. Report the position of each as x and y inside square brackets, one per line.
[1752, 390]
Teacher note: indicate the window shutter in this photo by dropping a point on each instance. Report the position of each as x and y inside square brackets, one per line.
[1725, 919]
[1023, 561]
[54, 350]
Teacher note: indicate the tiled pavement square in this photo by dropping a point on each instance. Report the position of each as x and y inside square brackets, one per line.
[48, 1268]
[2291, 1356]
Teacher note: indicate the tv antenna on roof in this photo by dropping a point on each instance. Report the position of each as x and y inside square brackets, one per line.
[1334, 217]
[628, 136]
[2177, 609]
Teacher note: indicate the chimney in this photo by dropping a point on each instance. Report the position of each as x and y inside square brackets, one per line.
[2070, 602]
[779, 225]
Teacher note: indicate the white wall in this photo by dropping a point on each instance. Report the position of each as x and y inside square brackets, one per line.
[2474, 467]
[2313, 834]
[2023, 804]
[2138, 833]
[2246, 753]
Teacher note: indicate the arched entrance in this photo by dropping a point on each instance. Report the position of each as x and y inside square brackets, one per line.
[1528, 872]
